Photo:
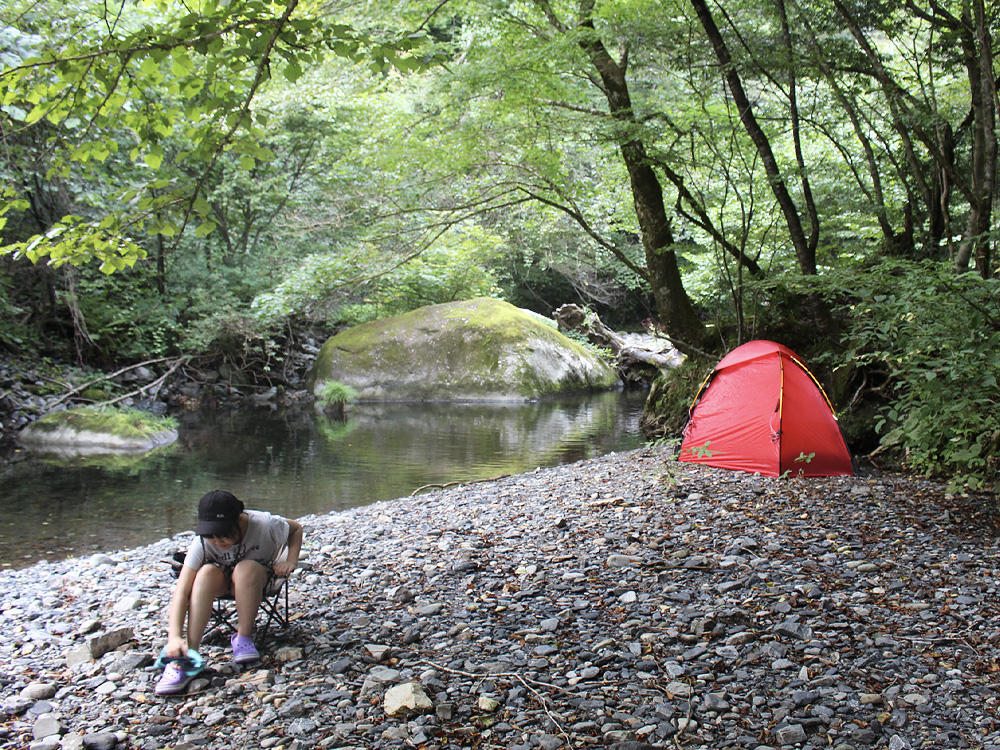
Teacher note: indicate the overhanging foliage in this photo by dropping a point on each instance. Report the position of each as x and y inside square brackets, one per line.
[111, 83]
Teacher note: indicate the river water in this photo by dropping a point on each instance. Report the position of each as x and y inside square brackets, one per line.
[294, 463]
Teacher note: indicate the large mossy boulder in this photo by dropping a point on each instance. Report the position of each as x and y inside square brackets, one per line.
[86, 431]
[476, 350]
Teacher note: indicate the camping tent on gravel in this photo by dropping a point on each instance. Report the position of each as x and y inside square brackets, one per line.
[761, 410]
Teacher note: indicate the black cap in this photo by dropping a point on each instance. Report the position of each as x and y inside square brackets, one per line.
[218, 512]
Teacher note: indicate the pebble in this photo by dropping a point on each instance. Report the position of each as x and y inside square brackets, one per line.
[624, 602]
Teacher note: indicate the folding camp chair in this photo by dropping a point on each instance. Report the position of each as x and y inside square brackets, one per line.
[273, 605]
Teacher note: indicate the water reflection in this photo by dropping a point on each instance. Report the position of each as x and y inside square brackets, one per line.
[295, 463]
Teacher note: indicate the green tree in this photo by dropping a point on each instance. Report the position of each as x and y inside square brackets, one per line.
[955, 36]
[805, 246]
[113, 85]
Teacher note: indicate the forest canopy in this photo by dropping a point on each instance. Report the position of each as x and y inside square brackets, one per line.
[204, 177]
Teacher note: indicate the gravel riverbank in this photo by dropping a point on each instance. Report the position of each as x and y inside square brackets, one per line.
[625, 601]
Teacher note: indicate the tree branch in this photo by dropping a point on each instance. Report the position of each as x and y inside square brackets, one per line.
[73, 391]
[578, 217]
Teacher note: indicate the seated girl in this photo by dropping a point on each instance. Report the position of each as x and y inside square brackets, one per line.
[234, 553]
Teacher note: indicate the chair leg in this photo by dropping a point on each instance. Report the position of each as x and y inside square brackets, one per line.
[273, 606]
[276, 607]
[221, 616]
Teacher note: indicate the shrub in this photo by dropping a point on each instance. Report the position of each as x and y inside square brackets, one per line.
[935, 337]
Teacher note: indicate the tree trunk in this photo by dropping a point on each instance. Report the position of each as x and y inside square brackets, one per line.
[806, 255]
[979, 63]
[676, 310]
[793, 110]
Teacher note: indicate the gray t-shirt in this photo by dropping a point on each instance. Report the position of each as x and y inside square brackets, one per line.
[266, 536]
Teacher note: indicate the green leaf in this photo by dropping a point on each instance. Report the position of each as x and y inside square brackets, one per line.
[201, 206]
[154, 157]
[292, 72]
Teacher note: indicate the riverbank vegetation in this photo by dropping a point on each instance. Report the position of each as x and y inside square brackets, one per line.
[227, 180]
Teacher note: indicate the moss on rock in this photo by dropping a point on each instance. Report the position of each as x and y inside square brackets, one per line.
[481, 349]
[94, 430]
[670, 398]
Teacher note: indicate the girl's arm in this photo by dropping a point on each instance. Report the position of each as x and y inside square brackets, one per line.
[177, 646]
[294, 543]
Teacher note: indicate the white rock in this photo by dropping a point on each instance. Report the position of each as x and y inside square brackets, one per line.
[289, 653]
[409, 697]
[128, 604]
[71, 741]
[46, 725]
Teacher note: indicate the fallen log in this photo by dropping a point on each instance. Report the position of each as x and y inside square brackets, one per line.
[634, 363]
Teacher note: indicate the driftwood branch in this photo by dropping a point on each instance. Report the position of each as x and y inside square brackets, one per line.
[74, 391]
[456, 484]
[154, 385]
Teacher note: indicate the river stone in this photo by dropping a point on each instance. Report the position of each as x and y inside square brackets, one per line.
[377, 651]
[680, 689]
[102, 644]
[100, 741]
[622, 561]
[16, 705]
[384, 674]
[476, 350]
[791, 734]
[289, 653]
[406, 699]
[46, 725]
[38, 691]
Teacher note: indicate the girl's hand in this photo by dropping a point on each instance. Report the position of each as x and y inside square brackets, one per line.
[284, 569]
[177, 648]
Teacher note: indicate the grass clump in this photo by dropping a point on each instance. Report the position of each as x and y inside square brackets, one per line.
[334, 395]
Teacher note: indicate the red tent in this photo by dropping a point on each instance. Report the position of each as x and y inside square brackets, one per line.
[762, 410]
